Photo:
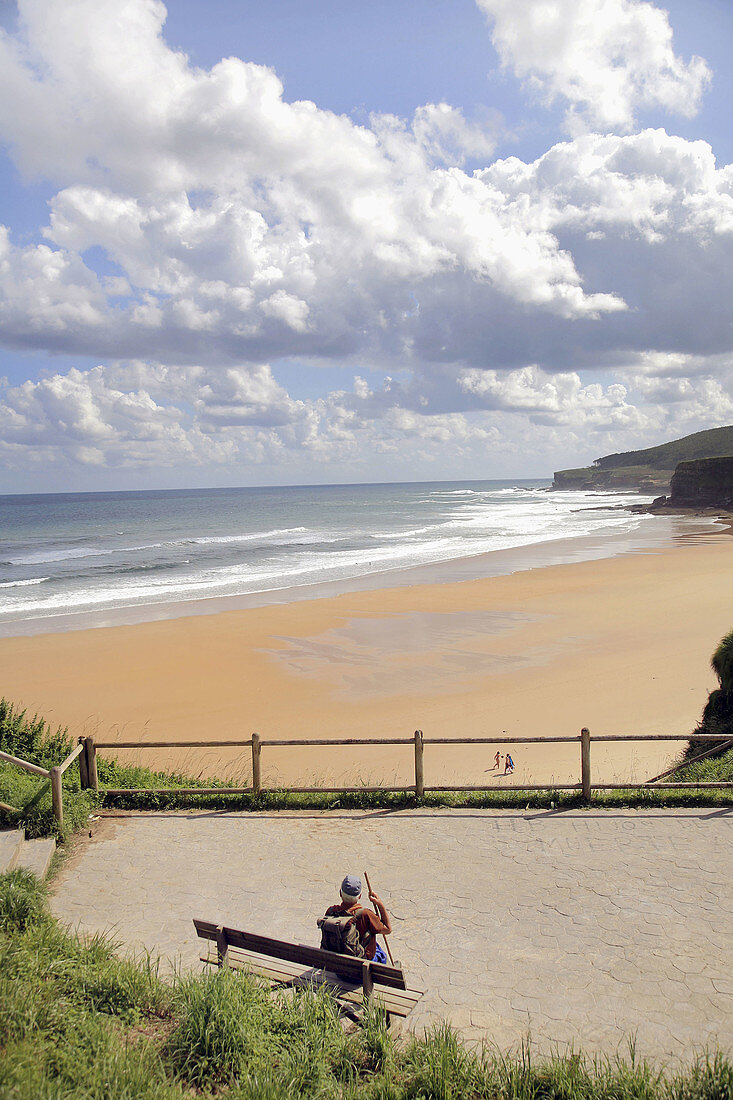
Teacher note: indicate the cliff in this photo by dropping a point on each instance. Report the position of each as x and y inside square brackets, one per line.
[703, 483]
[628, 477]
[712, 443]
[648, 470]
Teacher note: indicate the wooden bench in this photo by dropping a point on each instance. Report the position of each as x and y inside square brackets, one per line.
[292, 964]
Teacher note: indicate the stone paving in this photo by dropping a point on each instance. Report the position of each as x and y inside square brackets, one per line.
[579, 927]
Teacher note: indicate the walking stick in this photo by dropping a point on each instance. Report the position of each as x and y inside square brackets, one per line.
[386, 941]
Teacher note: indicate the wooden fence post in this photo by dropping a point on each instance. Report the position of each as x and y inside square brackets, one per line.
[91, 755]
[419, 774]
[585, 763]
[83, 765]
[57, 798]
[256, 774]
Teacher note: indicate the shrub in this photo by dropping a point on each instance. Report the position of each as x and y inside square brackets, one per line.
[31, 738]
[717, 716]
[722, 662]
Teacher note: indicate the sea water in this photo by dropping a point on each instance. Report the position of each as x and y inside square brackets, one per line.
[151, 553]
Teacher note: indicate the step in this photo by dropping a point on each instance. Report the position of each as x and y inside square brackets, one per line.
[36, 855]
[11, 841]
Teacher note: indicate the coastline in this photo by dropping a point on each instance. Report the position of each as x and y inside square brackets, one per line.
[663, 532]
[620, 644]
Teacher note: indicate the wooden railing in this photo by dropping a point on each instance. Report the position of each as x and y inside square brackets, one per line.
[418, 741]
[52, 774]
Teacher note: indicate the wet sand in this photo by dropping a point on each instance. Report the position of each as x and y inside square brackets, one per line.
[620, 645]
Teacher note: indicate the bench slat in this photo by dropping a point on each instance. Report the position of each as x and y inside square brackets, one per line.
[286, 971]
[397, 1002]
[343, 965]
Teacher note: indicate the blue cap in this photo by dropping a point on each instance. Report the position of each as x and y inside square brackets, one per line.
[351, 886]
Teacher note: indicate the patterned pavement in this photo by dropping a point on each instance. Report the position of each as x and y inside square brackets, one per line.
[582, 927]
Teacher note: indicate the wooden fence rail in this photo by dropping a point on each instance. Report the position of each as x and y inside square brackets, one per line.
[53, 774]
[419, 741]
[24, 764]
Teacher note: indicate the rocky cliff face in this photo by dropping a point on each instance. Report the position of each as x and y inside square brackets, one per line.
[628, 477]
[703, 482]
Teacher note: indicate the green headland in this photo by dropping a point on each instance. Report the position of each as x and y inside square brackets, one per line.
[651, 468]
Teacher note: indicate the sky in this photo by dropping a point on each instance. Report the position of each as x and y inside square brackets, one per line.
[287, 243]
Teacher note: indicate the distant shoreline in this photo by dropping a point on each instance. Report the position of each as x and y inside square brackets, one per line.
[619, 644]
[667, 528]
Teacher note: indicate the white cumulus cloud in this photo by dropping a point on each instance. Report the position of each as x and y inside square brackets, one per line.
[254, 225]
[553, 399]
[447, 136]
[608, 59]
[238, 229]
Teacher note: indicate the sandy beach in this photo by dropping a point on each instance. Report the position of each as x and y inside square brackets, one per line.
[620, 645]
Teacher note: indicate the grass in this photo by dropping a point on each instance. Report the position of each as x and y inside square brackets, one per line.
[33, 740]
[135, 776]
[368, 800]
[32, 796]
[22, 901]
[710, 770]
[78, 1021]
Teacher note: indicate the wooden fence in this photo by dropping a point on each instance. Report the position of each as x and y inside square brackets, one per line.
[53, 775]
[418, 741]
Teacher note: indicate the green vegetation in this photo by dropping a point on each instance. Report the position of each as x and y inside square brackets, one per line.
[713, 443]
[717, 718]
[721, 662]
[22, 901]
[34, 741]
[654, 464]
[374, 800]
[31, 738]
[624, 477]
[713, 769]
[77, 1021]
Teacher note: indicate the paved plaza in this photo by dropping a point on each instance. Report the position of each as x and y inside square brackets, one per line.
[578, 927]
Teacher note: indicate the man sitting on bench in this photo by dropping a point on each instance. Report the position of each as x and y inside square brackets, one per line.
[351, 930]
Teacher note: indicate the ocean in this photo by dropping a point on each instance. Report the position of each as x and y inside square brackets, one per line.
[90, 559]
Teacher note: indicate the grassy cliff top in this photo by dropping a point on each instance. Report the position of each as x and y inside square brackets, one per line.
[713, 443]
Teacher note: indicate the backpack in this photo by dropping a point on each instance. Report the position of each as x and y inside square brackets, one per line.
[341, 935]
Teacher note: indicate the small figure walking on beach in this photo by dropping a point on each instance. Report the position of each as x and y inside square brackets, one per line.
[508, 765]
[497, 758]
